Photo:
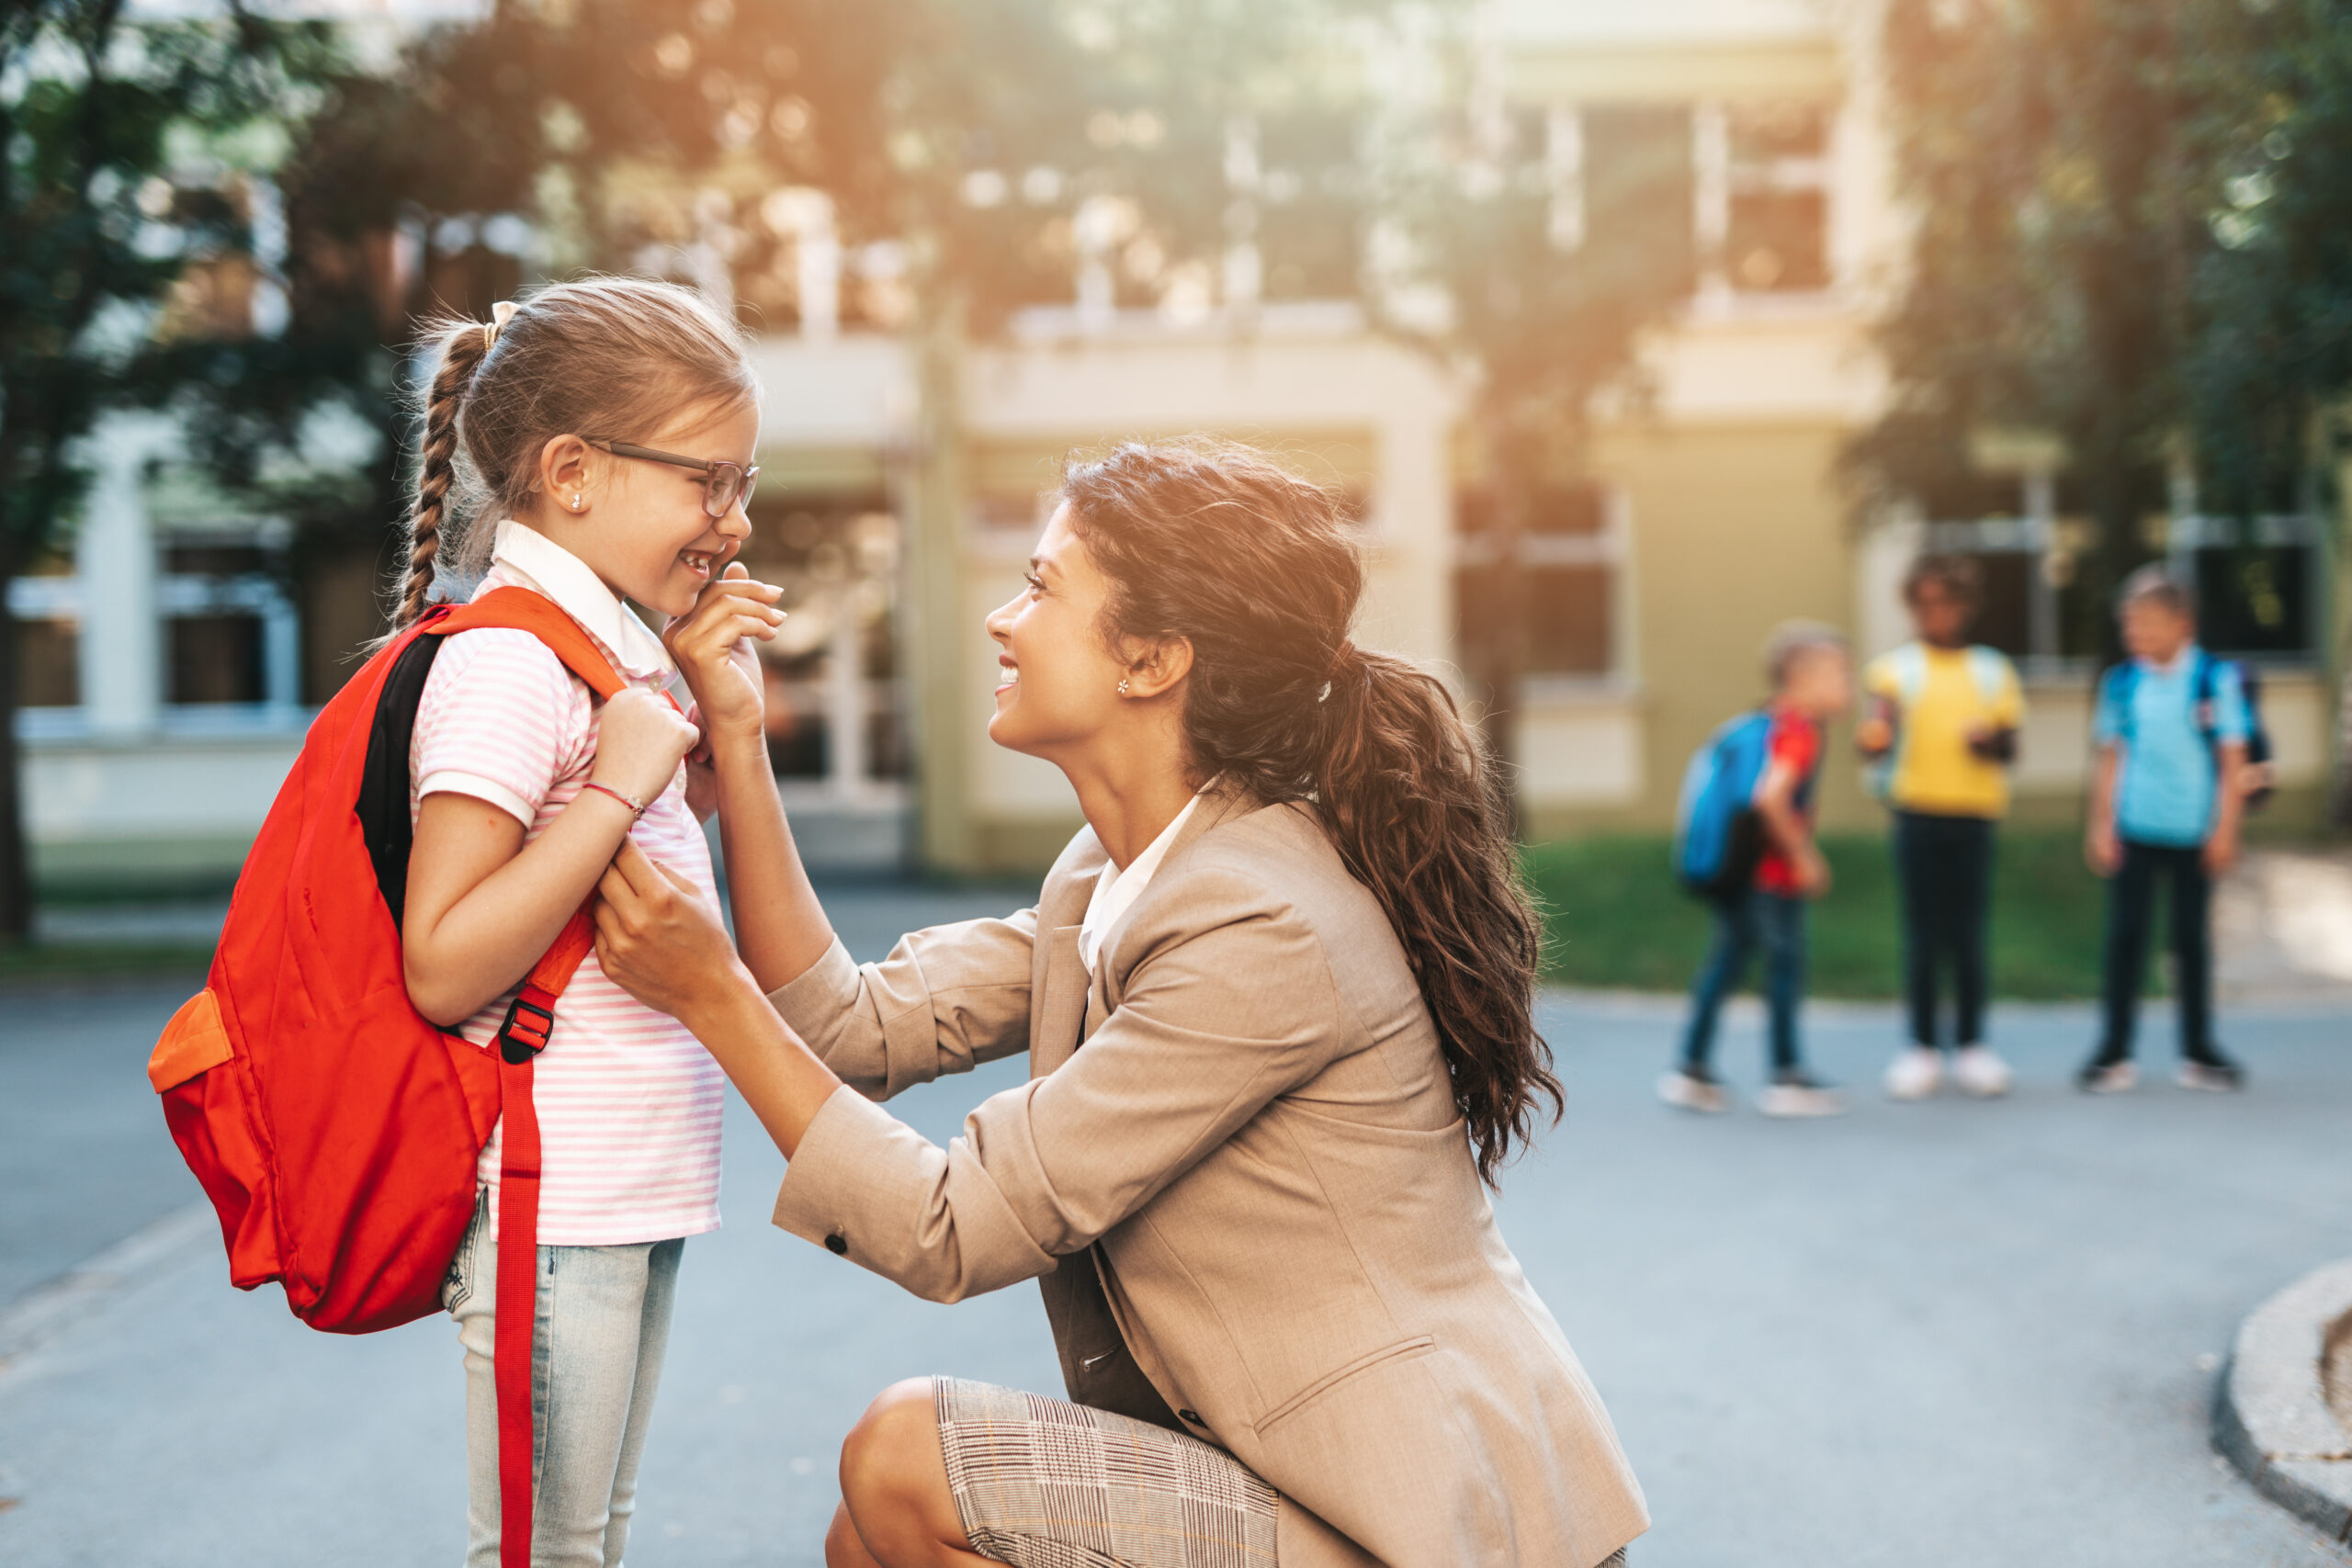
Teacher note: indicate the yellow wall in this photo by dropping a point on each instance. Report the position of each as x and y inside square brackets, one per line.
[1736, 529]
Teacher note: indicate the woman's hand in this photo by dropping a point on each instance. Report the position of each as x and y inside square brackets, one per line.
[658, 939]
[641, 740]
[712, 644]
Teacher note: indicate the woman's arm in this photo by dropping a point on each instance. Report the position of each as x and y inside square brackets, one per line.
[1235, 1007]
[780, 927]
[483, 905]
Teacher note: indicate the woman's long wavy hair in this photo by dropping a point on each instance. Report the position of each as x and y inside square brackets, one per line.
[1220, 545]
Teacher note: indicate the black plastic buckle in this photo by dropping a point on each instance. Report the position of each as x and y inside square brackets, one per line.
[525, 1034]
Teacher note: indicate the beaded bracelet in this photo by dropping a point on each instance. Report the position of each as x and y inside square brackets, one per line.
[635, 806]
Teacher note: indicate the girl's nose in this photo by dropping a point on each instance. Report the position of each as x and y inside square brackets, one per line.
[736, 524]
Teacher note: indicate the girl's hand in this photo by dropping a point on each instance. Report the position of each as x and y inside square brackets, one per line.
[702, 774]
[656, 938]
[712, 644]
[640, 742]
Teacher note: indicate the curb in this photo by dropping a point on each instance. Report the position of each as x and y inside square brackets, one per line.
[2271, 1417]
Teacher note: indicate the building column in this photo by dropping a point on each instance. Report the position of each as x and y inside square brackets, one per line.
[121, 642]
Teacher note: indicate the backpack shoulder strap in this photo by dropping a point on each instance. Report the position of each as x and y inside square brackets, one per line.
[1990, 669]
[2118, 685]
[519, 609]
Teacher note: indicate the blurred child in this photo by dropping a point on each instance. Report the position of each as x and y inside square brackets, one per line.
[1813, 682]
[1942, 724]
[2165, 798]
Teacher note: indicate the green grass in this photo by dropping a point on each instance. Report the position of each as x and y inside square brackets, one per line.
[1617, 918]
[43, 964]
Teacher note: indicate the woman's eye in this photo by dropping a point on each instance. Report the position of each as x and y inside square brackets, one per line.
[1036, 584]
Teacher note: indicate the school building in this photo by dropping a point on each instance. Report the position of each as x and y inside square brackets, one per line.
[905, 479]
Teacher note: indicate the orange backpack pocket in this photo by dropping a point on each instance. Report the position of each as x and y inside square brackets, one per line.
[208, 1106]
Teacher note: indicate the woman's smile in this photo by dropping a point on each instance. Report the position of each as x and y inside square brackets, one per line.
[1011, 676]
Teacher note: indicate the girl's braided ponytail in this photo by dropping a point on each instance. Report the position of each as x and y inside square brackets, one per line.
[464, 345]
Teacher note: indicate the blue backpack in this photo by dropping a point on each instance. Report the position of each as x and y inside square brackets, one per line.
[1718, 838]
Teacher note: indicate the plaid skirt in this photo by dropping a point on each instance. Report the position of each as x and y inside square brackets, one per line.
[1042, 1483]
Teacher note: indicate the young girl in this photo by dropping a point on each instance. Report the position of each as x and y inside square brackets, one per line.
[609, 425]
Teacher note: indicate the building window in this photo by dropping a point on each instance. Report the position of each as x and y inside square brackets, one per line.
[231, 635]
[2257, 583]
[46, 605]
[1776, 217]
[835, 704]
[1635, 171]
[1564, 586]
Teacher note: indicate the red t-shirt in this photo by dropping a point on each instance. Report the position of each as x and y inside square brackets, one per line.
[1795, 744]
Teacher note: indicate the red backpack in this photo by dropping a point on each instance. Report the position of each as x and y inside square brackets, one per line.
[335, 1130]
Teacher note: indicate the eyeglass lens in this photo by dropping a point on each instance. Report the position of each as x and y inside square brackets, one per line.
[726, 486]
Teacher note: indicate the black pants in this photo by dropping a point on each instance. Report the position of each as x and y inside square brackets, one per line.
[2131, 909]
[1945, 865]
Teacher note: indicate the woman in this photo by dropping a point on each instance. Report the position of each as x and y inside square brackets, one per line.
[1277, 1001]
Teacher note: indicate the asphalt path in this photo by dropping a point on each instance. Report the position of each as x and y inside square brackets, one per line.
[1948, 1333]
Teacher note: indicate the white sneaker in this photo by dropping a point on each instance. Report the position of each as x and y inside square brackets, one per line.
[1978, 1071]
[1797, 1093]
[1915, 1073]
[2108, 1078]
[1690, 1091]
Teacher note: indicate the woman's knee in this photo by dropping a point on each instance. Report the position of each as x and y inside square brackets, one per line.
[883, 1456]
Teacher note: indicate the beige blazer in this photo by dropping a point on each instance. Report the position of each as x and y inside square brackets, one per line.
[1239, 1170]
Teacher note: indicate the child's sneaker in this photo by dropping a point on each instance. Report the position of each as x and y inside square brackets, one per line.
[2108, 1078]
[1979, 1072]
[1693, 1089]
[1795, 1093]
[2213, 1072]
[1915, 1073]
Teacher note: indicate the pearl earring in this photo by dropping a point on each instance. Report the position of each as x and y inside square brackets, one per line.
[577, 503]
[1122, 685]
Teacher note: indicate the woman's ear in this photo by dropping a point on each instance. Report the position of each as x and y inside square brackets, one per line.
[1155, 668]
[563, 473]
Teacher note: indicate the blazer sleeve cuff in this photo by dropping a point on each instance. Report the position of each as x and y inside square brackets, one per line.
[813, 1003]
[867, 1187]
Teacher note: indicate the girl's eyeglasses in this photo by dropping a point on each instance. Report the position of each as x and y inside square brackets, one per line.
[724, 484]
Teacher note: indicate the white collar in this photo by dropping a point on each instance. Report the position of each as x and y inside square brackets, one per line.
[525, 558]
[1116, 891]
[2179, 663]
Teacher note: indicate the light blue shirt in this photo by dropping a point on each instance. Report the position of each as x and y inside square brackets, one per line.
[2165, 793]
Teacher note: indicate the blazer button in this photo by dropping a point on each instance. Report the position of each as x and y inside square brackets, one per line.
[838, 1245]
[1188, 1416]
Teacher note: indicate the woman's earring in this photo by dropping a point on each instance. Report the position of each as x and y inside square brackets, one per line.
[1122, 685]
[577, 503]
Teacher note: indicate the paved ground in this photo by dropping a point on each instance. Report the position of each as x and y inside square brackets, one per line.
[1938, 1334]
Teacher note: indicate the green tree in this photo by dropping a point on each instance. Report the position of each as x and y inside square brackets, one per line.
[2048, 151]
[101, 114]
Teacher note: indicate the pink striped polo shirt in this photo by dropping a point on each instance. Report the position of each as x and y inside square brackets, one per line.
[628, 1103]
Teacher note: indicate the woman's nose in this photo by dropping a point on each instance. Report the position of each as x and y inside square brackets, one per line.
[1000, 621]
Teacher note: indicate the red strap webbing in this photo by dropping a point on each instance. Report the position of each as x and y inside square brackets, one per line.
[520, 1041]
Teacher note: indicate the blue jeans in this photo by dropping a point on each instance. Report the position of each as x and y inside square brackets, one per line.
[1760, 919]
[604, 1322]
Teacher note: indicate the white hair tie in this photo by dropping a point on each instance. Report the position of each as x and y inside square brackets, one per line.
[500, 314]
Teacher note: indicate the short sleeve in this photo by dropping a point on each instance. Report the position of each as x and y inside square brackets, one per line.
[2232, 723]
[502, 720]
[1796, 744]
[2107, 719]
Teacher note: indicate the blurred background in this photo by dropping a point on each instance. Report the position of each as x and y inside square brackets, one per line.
[1630, 331]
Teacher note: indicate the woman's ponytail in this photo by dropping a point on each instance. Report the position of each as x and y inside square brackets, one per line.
[464, 345]
[1407, 792]
[1255, 567]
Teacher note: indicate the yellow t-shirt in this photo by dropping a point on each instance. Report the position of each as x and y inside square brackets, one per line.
[1937, 695]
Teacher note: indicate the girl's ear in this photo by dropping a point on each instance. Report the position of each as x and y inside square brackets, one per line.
[563, 472]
